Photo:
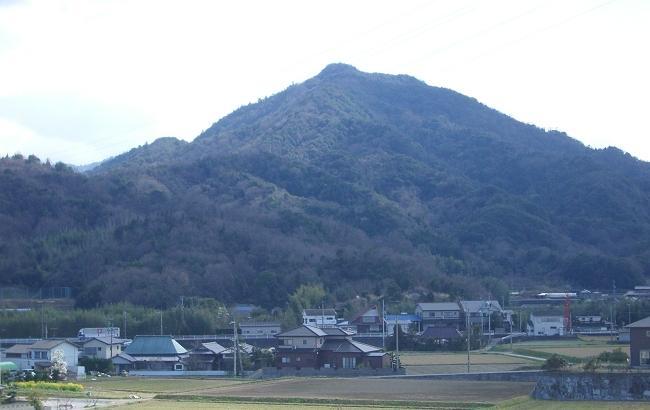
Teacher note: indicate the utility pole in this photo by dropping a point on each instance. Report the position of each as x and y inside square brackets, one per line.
[322, 313]
[234, 350]
[124, 320]
[161, 323]
[110, 330]
[396, 331]
[467, 330]
[383, 325]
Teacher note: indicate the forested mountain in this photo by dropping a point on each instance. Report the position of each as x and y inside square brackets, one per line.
[366, 183]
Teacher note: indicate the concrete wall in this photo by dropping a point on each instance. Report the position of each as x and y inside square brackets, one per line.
[593, 386]
[272, 372]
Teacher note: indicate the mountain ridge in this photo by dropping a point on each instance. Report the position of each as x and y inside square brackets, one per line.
[361, 182]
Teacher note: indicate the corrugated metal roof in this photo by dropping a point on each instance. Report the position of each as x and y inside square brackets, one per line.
[48, 344]
[401, 318]
[154, 346]
[439, 306]
[214, 347]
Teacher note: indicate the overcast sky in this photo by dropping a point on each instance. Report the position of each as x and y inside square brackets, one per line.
[83, 80]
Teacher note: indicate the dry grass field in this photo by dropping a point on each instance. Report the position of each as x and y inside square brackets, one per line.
[149, 386]
[409, 359]
[376, 389]
[581, 352]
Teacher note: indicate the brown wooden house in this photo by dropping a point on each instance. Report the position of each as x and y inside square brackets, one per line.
[312, 347]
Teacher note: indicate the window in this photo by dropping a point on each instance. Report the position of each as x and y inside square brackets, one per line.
[178, 366]
[647, 333]
[286, 360]
[349, 362]
[288, 342]
[644, 357]
[304, 341]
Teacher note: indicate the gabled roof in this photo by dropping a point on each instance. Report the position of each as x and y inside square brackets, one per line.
[154, 346]
[319, 312]
[336, 331]
[304, 331]
[640, 323]
[348, 346]
[125, 357]
[214, 347]
[476, 306]
[105, 340]
[48, 344]
[19, 349]
[439, 306]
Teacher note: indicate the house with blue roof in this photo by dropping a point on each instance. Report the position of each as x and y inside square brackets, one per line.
[155, 353]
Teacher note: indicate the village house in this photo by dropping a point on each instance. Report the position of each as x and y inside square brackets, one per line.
[640, 343]
[40, 353]
[207, 356]
[369, 321]
[101, 347]
[545, 325]
[405, 321]
[319, 317]
[155, 353]
[312, 347]
[441, 335]
[439, 314]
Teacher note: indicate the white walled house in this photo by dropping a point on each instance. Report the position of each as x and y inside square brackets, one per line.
[546, 325]
[319, 317]
[102, 347]
[39, 354]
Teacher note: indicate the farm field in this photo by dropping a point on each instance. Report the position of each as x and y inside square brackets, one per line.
[376, 389]
[437, 363]
[147, 387]
[577, 348]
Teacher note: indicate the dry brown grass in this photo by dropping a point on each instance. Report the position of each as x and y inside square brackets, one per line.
[417, 359]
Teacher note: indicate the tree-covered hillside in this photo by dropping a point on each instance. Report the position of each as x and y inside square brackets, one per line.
[365, 183]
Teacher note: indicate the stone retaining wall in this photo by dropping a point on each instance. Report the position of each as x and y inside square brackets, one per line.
[593, 386]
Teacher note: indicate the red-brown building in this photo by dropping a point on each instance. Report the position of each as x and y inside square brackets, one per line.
[312, 347]
[640, 343]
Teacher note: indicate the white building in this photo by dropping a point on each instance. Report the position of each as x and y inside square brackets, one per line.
[39, 354]
[319, 317]
[259, 329]
[546, 325]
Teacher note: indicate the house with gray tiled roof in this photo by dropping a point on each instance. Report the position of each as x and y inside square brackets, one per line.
[312, 347]
[157, 353]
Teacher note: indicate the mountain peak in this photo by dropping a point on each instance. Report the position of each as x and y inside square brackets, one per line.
[337, 69]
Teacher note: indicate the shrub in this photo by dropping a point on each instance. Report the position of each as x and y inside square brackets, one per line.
[592, 365]
[554, 362]
[50, 386]
[617, 356]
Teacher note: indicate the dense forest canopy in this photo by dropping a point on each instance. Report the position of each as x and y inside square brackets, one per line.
[362, 183]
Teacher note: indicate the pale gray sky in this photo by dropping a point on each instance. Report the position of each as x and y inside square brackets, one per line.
[83, 80]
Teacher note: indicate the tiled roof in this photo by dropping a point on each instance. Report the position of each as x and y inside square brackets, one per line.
[214, 347]
[640, 323]
[154, 346]
[47, 344]
[475, 306]
[432, 332]
[18, 349]
[304, 330]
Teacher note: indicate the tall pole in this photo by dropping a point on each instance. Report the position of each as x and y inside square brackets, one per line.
[468, 336]
[383, 325]
[322, 314]
[396, 331]
[124, 320]
[234, 350]
[161, 323]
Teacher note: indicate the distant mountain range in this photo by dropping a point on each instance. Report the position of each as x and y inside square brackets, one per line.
[366, 183]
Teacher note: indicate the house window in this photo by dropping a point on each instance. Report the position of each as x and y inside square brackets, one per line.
[304, 341]
[178, 366]
[286, 360]
[288, 342]
[644, 357]
[647, 333]
[349, 362]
